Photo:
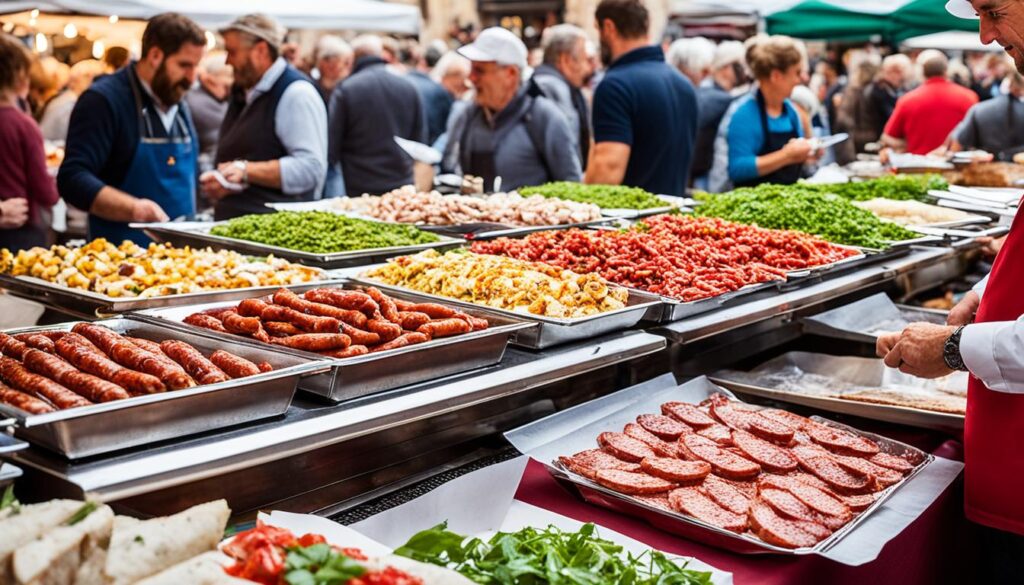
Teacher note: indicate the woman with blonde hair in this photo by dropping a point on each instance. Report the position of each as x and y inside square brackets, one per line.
[25, 186]
[762, 139]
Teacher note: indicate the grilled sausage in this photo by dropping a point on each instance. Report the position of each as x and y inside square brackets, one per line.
[386, 329]
[203, 370]
[446, 328]
[403, 340]
[21, 379]
[22, 401]
[11, 347]
[350, 351]
[411, 320]
[37, 341]
[206, 322]
[86, 357]
[233, 365]
[86, 385]
[387, 306]
[359, 336]
[131, 355]
[315, 341]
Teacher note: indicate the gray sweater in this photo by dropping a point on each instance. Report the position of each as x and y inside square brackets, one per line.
[531, 140]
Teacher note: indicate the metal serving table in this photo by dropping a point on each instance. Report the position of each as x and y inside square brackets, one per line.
[317, 455]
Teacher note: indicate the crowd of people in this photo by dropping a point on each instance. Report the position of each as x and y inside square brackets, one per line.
[181, 130]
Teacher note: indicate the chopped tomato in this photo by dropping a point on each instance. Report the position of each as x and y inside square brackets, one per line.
[245, 543]
[389, 576]
[311, 539]
[354, 553]
[264, 565]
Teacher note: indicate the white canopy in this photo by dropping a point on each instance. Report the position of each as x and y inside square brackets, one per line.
[369, 15]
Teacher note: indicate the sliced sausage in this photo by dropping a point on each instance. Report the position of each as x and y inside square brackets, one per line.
[816, 499]
[694, 502]
[723, 463]
[776, 530]
[664, 427]
[892, 462]
[718, 433]
[766, 454]
[828, 470]
[883, 476]
[726, 495]
[677, 470]
[632, 483]
[687, 413]
[588, 463]
[750, 421]
[841, 441]
[624, 447]
[663, 448]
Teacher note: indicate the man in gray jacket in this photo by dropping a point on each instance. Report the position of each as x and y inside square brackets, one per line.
[564, 71]
[511, 131]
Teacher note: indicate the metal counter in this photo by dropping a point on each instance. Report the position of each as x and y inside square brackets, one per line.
[316, 445]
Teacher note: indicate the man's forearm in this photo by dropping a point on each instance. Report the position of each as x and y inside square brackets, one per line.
[113, 205]
[608, 161]
[771, 162]
[264, 173]
[897, 144]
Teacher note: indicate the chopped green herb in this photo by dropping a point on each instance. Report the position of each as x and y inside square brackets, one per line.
[535, 557]
[82, 513]
[320, 232]
[604, 196]
[138, 538]
[8, 500]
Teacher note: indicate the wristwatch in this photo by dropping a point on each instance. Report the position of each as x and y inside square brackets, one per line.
[951, 351]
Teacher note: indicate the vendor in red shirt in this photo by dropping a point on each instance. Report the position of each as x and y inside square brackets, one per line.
[984, 336]
[25, 186]
[925, 117]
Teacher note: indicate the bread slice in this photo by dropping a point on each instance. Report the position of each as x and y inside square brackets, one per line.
[205, 569]
[30, 523]
[141, 548]
[55, 558]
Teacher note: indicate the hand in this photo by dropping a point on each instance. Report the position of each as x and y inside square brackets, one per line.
[212, 188]
[992, 246]
[919, 351]
[147, 211]
[232, 172]
[963, 312]
[14, 213]
[886, 342]
[798, 150]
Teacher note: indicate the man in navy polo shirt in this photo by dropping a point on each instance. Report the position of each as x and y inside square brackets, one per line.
[645, 112]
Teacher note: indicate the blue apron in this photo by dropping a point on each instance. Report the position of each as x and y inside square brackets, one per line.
[163, 170]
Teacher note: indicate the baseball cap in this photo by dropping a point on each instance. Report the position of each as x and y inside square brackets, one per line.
[961, 9]
[260, 26]
[496, 45]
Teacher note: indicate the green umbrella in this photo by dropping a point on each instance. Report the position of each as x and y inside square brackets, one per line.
[860, 20]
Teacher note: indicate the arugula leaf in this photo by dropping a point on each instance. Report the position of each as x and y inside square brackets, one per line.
[319, 564]
[82, 513]
[533, 556]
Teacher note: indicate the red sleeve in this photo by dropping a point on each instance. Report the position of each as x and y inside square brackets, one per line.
[40, 186]
[894, 127]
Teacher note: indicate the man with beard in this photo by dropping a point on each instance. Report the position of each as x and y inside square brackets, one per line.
[273, 142]
[645, 112]
[132, 150]
[984, 335]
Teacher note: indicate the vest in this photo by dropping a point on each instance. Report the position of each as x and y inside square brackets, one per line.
[994, 426]
[248, 133]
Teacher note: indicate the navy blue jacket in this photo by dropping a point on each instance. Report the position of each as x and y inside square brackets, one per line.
[103, 135]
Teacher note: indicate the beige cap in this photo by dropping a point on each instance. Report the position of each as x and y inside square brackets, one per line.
[260, 26]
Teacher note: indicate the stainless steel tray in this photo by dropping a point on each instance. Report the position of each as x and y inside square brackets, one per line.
[198, 234]
[111, 426]
[572, 435]
[800, 378]
[8, 473]
[549, 331]
[91, 305]
[863, 320]
[675, 310]
[377, 372]
[672, 203]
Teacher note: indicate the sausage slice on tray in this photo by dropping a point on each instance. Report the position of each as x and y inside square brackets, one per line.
[676, 470]
[822, 465]
[774, 529]
[688, 414]
[768, 455]
[841, 441]
[693, 502]
[892, 462]
[662, 426]
[588, 463]
[818, 500]
[663, 448]
[624, 447]
[750, 421]
[723, 462]
[632, 483]
[726, 495]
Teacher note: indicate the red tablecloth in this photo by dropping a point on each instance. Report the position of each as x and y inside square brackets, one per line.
[935, 548]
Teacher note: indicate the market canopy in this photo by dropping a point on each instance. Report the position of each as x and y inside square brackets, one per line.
[861, 20]
[369, 15]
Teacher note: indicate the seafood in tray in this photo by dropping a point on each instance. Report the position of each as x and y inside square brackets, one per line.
[45, 371]
[767, 474]
[503, 283]
[337, 323]
[406, 205]
[681, 257]
[131, 271]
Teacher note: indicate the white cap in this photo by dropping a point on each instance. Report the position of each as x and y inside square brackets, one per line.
[961, 9]
[496, 45]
